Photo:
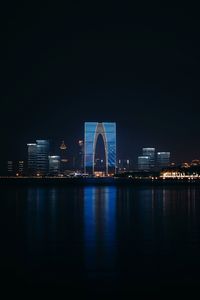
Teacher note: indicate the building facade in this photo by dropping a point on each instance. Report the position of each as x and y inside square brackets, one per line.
[10, 168]
[143, 163]
[64, 161]
[163, 159]
[54, 165]
[42, 162]
[91, 134]
[151, 153]
[32, 158]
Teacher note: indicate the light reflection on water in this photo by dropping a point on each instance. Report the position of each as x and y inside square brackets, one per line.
[107, 233]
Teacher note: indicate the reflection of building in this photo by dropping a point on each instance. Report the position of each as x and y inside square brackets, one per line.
[151, 153]
[32, 158]
[54, 165]
[143, 163]
[163, 159]
[100, 206]
[108, 132]
[42, 157]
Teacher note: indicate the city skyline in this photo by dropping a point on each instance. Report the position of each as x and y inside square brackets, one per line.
[96, 154]
[63, 68]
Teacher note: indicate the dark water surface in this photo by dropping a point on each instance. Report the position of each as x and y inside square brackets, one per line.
[102, 240]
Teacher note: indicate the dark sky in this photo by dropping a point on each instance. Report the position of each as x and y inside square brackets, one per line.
[138, 66]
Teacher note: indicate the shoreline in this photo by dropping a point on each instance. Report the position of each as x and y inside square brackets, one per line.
[109, 181]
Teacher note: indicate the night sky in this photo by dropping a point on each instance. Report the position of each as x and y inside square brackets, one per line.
[137, 66]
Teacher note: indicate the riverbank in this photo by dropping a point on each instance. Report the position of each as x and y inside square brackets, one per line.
[54, 181]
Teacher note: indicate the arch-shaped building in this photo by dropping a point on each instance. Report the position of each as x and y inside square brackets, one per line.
[108, 132]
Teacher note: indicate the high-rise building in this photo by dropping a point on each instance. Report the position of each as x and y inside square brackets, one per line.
[32, 158]
[151, 153]
[20, 167]
[63, 158]
[143, 163]
[81, 155]
[10, 168]
[54, 165]
[163, 159]
[42, 157]
[108, 134]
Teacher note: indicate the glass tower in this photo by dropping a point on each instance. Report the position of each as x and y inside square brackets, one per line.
[54, 165]
[163, 159]
[108, 133]
[143, 163]
[151, 153]
[42, 162]
[32, 158]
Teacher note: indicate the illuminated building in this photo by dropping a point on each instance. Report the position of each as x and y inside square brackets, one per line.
[63, 157]
[163, 159]
[10, 168]
[32, 158]
[54, 165]
[124, 165]
[81, 155]
[42, 162]
[143, 163]
[151, 153]
[108, 133]
[20, 167]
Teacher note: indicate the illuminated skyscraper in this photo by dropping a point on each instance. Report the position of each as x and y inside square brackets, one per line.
[163, 159]
[81, 155]
[42, 157]
[108, 133]
[63, 157]
[20, 167]
[143, 163]
[32, 158]
[151, 153]
[54, 165]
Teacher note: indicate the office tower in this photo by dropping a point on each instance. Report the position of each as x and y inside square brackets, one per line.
[32, 158]
[20, 170]
[143, 163]
[54, 165]
[42, 157]
[108, 133]
[163, 159]
[10, 168]
[151, 153]
[63, 158]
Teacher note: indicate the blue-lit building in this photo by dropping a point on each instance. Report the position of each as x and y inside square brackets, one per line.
[42, 162]
[108, 133]
[38, 161]
[143, 163]
[54, 165]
